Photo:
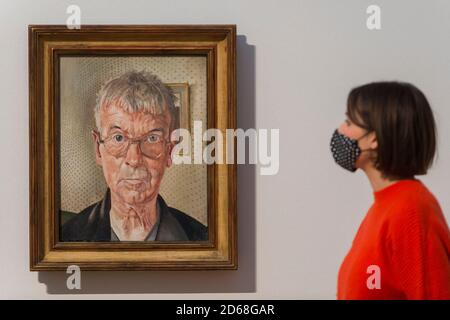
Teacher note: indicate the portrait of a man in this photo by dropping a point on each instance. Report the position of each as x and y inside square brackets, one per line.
[135, 116]
[124, 169]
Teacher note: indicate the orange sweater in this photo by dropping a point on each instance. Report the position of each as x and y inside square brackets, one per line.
[401, 250]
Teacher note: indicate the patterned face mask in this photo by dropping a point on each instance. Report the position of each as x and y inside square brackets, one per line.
[345, 150]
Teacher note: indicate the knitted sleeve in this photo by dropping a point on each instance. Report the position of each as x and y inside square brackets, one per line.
[419, 239]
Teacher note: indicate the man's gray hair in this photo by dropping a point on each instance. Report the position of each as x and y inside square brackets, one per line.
[134, 91]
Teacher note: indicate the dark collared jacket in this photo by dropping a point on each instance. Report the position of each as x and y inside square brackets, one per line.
[93, 224]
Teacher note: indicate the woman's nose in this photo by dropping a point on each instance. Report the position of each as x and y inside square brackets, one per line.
[342, 128]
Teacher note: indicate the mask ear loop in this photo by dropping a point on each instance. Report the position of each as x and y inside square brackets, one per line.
[357, 140]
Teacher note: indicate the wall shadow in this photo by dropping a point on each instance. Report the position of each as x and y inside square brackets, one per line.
[242, 280]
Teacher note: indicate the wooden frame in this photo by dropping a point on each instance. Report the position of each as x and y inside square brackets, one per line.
[47, 43]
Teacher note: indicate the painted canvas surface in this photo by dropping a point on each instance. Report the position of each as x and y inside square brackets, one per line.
[118, 182]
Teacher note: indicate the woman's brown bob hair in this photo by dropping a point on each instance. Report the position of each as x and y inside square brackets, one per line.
[403, 122]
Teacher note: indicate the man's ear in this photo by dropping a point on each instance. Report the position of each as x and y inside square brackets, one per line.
[98, 155]
[169, 158]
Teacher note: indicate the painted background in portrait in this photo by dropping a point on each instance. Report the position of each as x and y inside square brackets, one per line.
[82, 183]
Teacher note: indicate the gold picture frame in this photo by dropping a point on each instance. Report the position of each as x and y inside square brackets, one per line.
[47, 44]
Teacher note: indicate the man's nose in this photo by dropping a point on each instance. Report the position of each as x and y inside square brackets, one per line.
[134, 155]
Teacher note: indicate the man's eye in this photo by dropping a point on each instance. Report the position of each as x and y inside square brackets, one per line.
[118, 138]
[153, 138]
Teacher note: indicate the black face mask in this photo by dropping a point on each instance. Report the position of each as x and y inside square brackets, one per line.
[345, 150]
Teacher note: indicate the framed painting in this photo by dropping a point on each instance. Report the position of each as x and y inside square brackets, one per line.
[107, 105]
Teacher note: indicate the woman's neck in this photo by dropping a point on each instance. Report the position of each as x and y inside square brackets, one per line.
[376, 179]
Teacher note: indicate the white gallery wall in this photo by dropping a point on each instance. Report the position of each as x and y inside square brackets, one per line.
[297, 60]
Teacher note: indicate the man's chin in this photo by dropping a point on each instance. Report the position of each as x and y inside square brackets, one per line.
[134, 197]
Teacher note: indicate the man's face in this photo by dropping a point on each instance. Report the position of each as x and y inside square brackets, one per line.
[132, 176]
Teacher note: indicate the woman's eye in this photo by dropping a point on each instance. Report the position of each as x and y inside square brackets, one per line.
[118, 138]
[153, 138]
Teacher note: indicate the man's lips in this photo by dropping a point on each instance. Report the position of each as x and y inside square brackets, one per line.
[133, 181]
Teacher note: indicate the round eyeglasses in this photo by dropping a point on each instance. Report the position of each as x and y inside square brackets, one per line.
[117, 144]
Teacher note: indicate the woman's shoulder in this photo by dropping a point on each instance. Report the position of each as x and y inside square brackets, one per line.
[416, 207]
[412, 194]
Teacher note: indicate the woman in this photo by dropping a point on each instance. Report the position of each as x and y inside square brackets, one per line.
[402, 247]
